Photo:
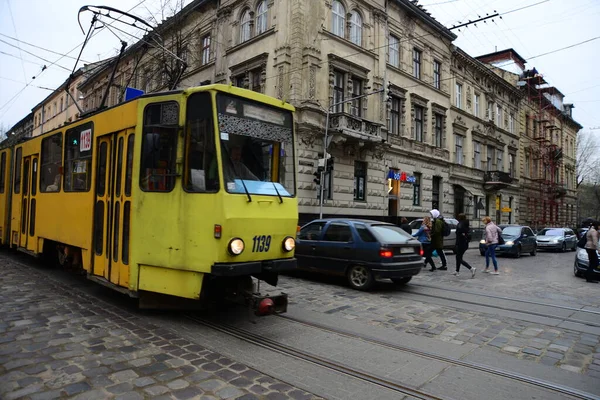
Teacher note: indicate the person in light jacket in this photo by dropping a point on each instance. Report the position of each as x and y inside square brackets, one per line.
[491, 240]
[423, 235]
[591, 245]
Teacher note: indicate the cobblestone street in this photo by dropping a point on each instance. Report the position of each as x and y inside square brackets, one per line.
[547, 278]
[57, 343]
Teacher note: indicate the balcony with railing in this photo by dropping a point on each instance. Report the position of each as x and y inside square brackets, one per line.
[353, 127]
[495, 180]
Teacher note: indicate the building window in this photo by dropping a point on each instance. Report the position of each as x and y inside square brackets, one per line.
[476, 155]
[245, 32]
[499, 115]
[418, 123]
[255, 80]
[261, 17]
[511, 123]
[338, 24]
[417, 63]
[394, 51]
[395, 116]
[527, 165]
[511, 165]
[490, 158]
[437, 74]
[438, 130]
[55, 112]
[476, 110]
[205, 49]
[490, 111]
[360, 180]
[458, 100]
[61, 105]
[338, 91]
[356, 106]
[458, 144]
[435, 192]
[500, 162]
[356, 28]
[417, 190]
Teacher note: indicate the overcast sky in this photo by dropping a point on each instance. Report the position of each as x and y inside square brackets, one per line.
[533, 31]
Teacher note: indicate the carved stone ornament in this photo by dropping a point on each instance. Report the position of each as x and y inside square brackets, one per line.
[312, 82]
[469, 97]
[459, 121]
[309, 137]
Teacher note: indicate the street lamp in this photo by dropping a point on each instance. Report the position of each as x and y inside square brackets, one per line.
[326, 145]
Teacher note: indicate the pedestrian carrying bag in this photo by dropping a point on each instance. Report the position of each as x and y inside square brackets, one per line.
[445, 228]
[582, 241]
[500, 238]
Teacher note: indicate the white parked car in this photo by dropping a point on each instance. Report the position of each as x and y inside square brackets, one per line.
[449, 241]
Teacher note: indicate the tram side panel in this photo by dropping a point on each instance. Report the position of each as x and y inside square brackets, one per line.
[5, 192]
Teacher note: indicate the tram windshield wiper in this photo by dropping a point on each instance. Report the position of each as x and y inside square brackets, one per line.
[280, 198]
[233, 169]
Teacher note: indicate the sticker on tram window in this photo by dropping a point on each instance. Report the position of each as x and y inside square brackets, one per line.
[261, 244]
[224, 136]
[85, 140]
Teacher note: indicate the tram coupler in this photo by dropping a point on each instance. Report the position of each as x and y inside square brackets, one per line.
[261, 305]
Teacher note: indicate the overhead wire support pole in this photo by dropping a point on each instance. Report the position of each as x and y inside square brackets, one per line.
[322, 176]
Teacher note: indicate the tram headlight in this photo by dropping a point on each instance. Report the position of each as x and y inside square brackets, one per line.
[289, 243]
[236, 246]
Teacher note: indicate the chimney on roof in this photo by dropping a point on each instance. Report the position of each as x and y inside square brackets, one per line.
[568, 110]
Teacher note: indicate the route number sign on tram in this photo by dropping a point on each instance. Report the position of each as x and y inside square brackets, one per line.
[85, 140]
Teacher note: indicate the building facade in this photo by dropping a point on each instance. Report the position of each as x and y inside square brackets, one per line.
[21, 130]
[447, 136]
[548, 145]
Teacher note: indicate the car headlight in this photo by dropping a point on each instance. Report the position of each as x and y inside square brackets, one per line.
[482, 241]
[236, 246]
[289, 243]
[510, 243]
[554, 241]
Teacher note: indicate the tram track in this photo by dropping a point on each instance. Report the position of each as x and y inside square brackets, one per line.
[302, 355]
[539, 383]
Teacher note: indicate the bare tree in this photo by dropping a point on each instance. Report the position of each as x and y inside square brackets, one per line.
[3, 131]
[588, 162]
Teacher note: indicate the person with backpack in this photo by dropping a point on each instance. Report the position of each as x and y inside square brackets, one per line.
[492, 238]
[463, 237]
[438, 231]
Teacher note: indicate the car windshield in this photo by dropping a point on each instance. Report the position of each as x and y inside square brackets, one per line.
[550, 232]
[256, 147]
[511, 231]
[390, 234]
[416, 224]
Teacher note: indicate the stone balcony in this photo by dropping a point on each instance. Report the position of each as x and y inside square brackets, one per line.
[496, 180]
[351, 127]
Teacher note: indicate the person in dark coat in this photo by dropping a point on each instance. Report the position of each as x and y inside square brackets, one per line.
[437, 237]
[462, 244]
[405, 226]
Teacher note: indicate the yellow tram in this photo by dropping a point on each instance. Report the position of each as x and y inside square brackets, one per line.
[167, 196]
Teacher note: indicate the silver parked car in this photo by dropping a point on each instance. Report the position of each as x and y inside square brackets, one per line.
[581, 264]
[556, 239]
[449, 241]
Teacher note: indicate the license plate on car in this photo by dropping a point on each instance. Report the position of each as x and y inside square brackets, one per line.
[405, 250]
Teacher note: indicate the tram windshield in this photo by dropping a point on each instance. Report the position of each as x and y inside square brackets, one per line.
[256, 147]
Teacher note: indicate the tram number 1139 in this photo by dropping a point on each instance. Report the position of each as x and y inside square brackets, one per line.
[261, 244]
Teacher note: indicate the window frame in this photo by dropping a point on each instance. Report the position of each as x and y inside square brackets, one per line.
[245, 26]
[458, 145]
[78, 129]
[417, 60]
[356, 104]
[338, 14]
[173, 150]
[438, 130]
[437, 74]
[417, 189]
[476, 154]
[358, 174]
[394, 51]
[18, 170]
[395, 128]
[356, 26]
[339, 90]
[500, 160]
[43, 164]
[205, 49]
[419, 123]
[476, 104]
[458, 96]
[311, 224]
[337, 224]
[3, 172]
[261, 21]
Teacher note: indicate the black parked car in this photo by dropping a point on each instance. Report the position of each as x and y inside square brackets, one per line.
[361, 250]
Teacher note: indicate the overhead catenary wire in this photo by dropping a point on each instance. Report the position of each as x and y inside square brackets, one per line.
[40, 47]
[16, 34]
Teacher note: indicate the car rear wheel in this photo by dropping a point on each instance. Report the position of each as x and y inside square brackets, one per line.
[360, 277]
[402, 281]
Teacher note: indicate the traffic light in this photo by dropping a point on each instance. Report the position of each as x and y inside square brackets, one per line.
[329, 166]
[388, 92]
[317, 175]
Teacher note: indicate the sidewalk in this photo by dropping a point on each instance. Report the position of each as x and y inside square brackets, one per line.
[59, 342]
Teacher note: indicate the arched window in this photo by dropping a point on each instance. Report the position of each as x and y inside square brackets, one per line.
[338, 24]
[245, 27]
[261, 17]
[356, 28]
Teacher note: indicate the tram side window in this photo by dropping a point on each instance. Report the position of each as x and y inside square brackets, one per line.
[2, 172]
[159, 147]
[78, 158]
[51, 163]
[201, 159]
[18, 160]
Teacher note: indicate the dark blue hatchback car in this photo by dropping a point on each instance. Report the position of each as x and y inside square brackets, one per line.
[361, 250]
[518, 239]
